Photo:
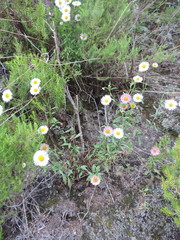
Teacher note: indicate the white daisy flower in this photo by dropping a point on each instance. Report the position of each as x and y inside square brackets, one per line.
[77, 17]
[35, 82]
[7, 95]
[118, 133]
[83, 36]
[137, 79]
[144, 66]
[66, 9]
[1, 110]
[138, 97]
[170, 104]
[34, 90]
[66, 17]
[76, 3]
[60, 3]
[68, 1]
[41, 158]
[44, 147]
[155, 65]
[43, 129]
[106, 100]
[95, 180]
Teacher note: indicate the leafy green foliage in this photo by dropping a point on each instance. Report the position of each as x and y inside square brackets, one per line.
[27, 67]
[171, 183]
[19, 141]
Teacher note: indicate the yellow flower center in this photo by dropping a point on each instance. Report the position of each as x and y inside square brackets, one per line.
[143, 66]
[35, 89]
[7, 95]
[124, 106]
[126, 98]
[66, 17]
[138, 97]
[118, 133]
[106, 100]
[66, 10]
[171, 104]
[95, 179]
[132, 105]
[41, 158]
[35, 82]
[43, 129]
[154, 150]
[44, 147]
[108, 131]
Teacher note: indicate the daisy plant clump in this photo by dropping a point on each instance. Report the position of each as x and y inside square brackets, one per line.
[170, 104]
[41, 158]
[143, 67]
[43, 129]
[7, 95]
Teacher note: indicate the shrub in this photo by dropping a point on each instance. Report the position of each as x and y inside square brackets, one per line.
[171, 183]
[19, 140]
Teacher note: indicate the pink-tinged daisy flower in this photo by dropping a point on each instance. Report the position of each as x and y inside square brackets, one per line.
[138, 97]
[125, 98]
[106, 100]
[144, 66]
[108, 131]
[44, 147]
[155, 65]
[118, 133]
[123, 107]
[95, 180]
[155, 151]
[170, 104]
[137, 79]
